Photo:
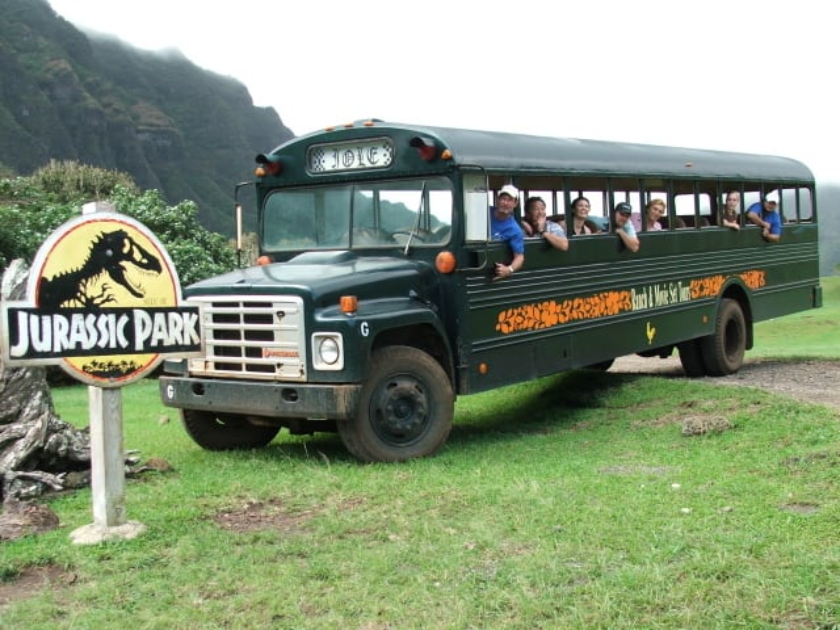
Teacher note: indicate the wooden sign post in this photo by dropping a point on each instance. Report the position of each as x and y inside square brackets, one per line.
[107, 467]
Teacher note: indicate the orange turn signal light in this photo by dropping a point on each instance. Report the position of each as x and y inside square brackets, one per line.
[348, 304]
[445, 262]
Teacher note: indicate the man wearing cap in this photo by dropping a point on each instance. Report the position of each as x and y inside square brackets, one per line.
[764, 215]
[624, 226]
[503, 227]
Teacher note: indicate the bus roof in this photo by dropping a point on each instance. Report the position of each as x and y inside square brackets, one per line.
[506, 152]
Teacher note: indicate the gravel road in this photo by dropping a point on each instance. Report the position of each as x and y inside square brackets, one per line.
[812, 380]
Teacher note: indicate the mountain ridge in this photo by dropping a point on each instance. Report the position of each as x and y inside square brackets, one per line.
[70, 95]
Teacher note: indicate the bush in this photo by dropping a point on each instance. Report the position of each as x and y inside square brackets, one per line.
[196, 252]
[32, 208]
[28, 215]
[71, 182]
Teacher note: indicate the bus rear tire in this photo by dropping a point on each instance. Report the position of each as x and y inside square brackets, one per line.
[691, 357]
[405, 408]
[225, 432]
[723, 351]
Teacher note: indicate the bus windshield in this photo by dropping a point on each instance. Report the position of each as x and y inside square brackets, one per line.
[360, 215]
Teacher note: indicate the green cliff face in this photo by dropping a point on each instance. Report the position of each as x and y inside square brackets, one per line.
[171, 125]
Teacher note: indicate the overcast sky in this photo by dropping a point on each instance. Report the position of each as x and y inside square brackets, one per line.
[732, 75]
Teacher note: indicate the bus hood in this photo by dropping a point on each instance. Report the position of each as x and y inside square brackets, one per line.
[324, 276]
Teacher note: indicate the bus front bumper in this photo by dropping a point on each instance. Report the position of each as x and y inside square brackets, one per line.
[274, 400]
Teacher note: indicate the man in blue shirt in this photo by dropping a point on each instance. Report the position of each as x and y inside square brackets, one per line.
[503, 227]
[764, 215]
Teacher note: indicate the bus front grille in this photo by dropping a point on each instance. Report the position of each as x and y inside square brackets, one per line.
[252, 337]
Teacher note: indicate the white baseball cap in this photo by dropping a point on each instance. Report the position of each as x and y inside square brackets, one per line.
[772, 197]
[510, 189]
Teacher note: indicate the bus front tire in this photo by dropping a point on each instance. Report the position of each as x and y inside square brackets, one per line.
[225, 432]
[405, 408]
[723, 351]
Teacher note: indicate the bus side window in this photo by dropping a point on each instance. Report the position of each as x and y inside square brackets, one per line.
[806, 206]
[684, 211]
[476, 208]
[706, 216]
[797, 206]
[440, 221]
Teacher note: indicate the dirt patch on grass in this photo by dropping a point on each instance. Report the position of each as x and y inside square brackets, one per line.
[698, 417]
[261, 515]
[256, 516]
[22, 518]
[826, 458]
[32, 580]
[800, 508]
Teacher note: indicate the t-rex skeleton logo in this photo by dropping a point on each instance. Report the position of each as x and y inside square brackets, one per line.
[110, 253]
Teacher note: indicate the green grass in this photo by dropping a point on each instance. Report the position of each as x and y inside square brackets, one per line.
[814, 333]
[569, 502]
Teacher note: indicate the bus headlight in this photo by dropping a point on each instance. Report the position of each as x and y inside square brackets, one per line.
[327, 351]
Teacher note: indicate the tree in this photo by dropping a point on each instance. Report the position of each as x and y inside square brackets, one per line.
[31, 208]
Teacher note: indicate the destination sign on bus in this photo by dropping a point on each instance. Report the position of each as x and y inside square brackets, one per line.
[357, 155]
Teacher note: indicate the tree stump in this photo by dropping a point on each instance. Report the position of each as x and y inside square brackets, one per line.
[37, 448]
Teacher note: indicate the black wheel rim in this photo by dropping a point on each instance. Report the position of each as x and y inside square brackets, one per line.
[399, 410]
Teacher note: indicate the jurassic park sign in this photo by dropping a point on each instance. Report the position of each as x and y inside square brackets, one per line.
[103, 301]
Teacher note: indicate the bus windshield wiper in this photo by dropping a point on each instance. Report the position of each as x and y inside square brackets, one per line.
[417, 222]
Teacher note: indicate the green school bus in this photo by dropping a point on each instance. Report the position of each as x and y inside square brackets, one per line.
[374, 303]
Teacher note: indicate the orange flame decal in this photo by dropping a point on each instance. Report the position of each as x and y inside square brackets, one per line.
[551, 313]
[753, 279]
[706, 287]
